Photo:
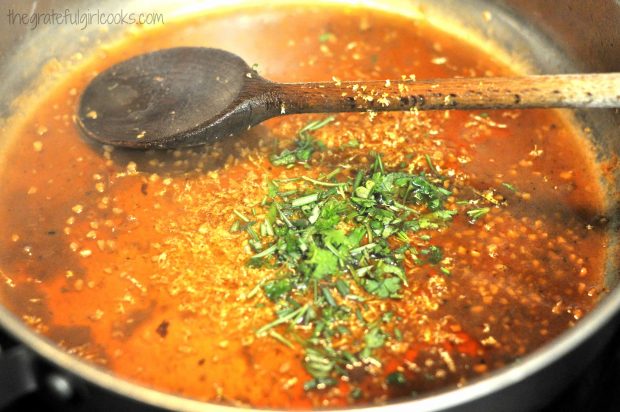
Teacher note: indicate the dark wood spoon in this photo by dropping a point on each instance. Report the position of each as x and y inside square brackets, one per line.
[190, 96]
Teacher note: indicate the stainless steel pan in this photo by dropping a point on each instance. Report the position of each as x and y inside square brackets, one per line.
[548, 37]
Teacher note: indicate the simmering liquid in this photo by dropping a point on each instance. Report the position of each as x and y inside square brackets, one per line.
[134, 260]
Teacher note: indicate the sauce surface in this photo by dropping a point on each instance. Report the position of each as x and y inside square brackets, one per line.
[127, 259]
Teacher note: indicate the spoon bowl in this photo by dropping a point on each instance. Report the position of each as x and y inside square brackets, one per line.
[165, 98]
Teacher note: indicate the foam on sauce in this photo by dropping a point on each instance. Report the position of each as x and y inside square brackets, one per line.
[126, 258]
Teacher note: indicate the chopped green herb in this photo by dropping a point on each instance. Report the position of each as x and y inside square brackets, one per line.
[384, 288]
[280, 338]
[322, 183]
[476, 214]
[316, 125]
[305, 200]
[374, 338]
[509, 187]
[336, 244]
[234, 227]
[342, 287]
[305, 145]
[430, 164]
[283, 319]
[275, 289]
[265, 252]
[398, 334]
[387, 317]
[396, 378]
[325, 37]
[434, 254]
[254, 290]
[241, 216]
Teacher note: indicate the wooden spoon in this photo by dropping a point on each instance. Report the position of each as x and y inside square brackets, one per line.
[190, 96]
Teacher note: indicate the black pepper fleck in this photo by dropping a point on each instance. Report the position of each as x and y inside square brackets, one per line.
[162, 329]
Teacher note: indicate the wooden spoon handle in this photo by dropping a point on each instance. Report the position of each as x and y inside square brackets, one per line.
[569, 90]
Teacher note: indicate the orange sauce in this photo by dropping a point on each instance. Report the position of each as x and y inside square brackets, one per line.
[126, 259]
